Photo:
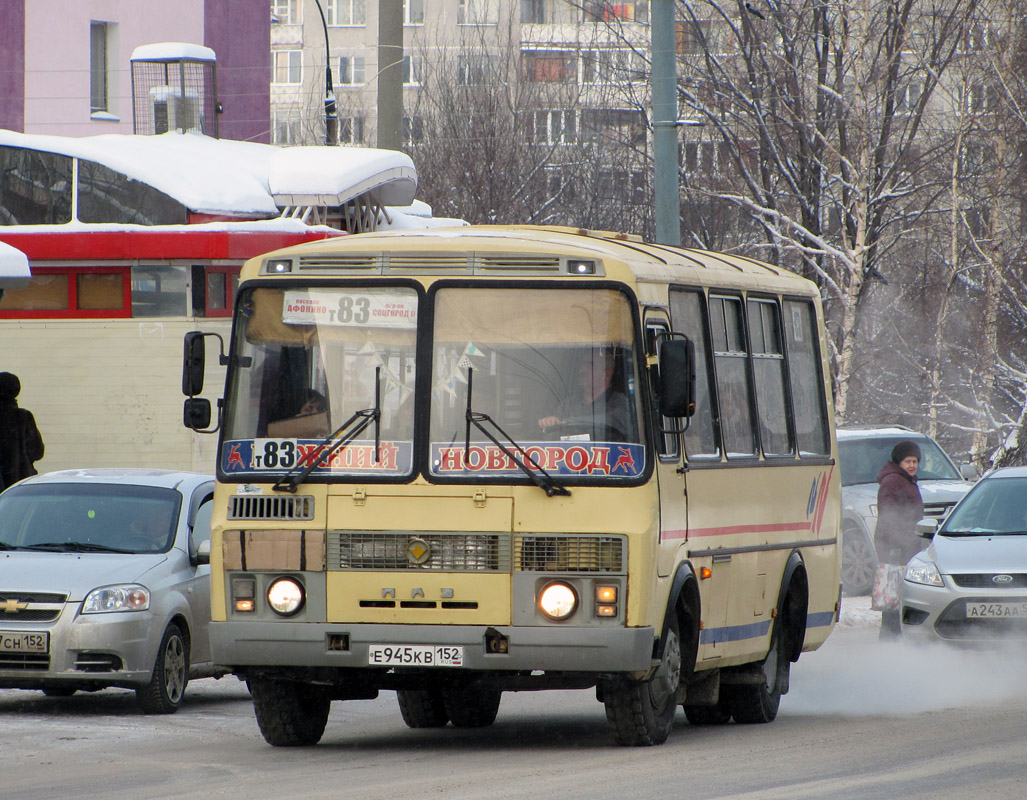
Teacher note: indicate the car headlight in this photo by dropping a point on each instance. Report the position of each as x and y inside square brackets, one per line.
[125, 597]
[557, 601]
[285, 596]
[924, 572]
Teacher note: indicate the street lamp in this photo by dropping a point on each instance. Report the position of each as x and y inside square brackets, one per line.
[331, 113]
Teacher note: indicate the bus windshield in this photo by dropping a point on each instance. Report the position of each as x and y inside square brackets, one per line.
[307, 359]
[554, 372]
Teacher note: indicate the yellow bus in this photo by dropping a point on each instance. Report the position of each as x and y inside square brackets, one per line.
[456, 463]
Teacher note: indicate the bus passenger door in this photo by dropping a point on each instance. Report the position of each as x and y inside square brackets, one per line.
[669, 474]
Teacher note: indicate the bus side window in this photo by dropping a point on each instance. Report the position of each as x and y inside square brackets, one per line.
[768, 364]
[734, 382]
[807, 385]
[687, 313]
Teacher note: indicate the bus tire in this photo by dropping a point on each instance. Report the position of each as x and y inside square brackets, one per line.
[472, 706]
[289, 714]
[641, 713]
[755, 703]
[422, 708]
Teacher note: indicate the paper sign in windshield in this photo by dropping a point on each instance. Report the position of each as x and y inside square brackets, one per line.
[354, 309]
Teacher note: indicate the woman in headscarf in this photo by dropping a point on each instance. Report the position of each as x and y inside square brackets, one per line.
[899, 508]
[20, 442]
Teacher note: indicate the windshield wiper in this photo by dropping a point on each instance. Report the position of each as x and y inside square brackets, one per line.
[539, 476]
[74, 547]
[348, 431]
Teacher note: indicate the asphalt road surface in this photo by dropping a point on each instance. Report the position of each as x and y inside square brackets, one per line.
[863, 720]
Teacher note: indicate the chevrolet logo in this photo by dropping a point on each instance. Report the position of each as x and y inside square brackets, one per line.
[13, 606]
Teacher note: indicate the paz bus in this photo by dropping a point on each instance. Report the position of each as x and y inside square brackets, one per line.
[457, 463]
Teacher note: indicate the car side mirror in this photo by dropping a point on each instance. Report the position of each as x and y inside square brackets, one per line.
[202, 554]
[677, 378]
[927, 528]
[968, 471]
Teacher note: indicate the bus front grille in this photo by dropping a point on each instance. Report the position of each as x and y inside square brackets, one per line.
[413, 550]
[605, 554]
[258, 506]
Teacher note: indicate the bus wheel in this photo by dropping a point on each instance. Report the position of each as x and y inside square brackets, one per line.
[758, 702]
[289, 714]
[641, 713]
[472, 706]
[422, 708]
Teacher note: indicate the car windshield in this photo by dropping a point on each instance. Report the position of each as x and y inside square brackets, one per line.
[862, 459]
[86, 517]
[995, 506]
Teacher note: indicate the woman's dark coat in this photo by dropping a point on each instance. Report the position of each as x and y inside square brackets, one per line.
[899, 509]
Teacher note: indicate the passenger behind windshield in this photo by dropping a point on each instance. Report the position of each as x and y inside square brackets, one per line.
[309, 421]
[596, 407]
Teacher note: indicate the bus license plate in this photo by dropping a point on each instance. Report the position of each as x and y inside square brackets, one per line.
[13, 642]
[415, 655]
[996, 610]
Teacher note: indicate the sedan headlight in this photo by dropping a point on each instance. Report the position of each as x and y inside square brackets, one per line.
[125, 597]
[924, 572]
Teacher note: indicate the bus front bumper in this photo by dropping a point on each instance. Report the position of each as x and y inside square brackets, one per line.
[556, 648]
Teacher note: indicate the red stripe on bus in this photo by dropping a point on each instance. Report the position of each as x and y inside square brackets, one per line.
[728, 530]
[822, 501]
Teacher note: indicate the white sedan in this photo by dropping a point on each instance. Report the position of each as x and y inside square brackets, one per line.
[970, 584]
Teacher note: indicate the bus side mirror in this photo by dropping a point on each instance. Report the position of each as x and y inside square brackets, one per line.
[196, 414]
[194, 361]
[677, 378]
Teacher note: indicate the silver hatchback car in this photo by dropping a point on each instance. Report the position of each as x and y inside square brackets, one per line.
[970, 584]
[102, 583]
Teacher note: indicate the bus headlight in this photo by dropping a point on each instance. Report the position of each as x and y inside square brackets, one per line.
[557, 601]
[285, 596]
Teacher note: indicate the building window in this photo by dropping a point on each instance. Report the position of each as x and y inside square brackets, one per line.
[553, 127]
[214, 289]
[548, 12]
[612, 67]
[285, 12]
[477, 12]
[69, 293]
[413, 130]
[351, 71]
[351, 130]
[159, 291]
[413, 12]
[413, 70]
[615, 12]
[286, 128]
[549, 66]
[344, 12]
[99, 67]
[287, 66]
[475, 70]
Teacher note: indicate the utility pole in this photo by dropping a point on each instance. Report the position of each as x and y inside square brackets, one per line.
[666, 188]
[390, 74]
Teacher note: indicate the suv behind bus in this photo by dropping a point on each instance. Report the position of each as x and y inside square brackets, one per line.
[862, 451]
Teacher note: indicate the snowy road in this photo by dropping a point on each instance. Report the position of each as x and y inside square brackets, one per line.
[863, 720]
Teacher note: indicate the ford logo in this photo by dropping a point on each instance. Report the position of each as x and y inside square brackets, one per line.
[1001, 578]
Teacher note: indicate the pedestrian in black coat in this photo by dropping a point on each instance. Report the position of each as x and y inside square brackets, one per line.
[20, 442]
[899, 508]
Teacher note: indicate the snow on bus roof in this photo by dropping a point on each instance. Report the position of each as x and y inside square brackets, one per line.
[14, 267]
[222, 176]
[171, 51]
